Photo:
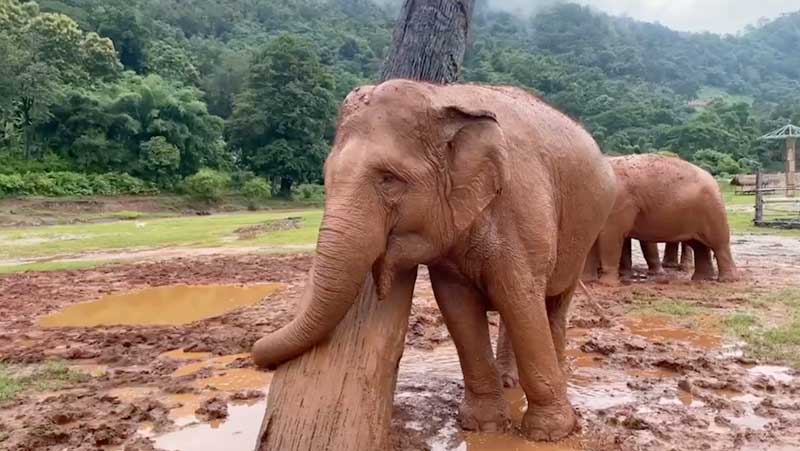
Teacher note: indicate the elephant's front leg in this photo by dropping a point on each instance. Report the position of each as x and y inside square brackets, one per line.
[687, 257]
[464, 311]
[650, 252]
[520, 298]
[625, 260]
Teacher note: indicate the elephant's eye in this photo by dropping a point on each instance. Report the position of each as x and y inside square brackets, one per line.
[388, 178]
[391, 184]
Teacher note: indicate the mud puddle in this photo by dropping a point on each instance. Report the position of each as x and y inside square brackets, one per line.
[238, 432]
[162, 306]
[659, 329]
[242, 391]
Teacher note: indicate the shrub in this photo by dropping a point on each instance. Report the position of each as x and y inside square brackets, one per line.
[11, 185]
[207, 185]
[240, 178]
[72, 184]
[310, 192]
[716, 162]
[255, 191]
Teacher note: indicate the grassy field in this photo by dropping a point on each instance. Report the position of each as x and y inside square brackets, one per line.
[52, 375]
[768, 321]
[190, 231]
[45, 248]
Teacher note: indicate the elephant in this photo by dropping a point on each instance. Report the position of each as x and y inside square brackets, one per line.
[498, 194]
[664, 199]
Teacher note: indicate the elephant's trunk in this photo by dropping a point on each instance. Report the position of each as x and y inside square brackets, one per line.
[346, 251]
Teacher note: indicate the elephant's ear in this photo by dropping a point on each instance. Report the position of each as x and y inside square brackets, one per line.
[476, 162]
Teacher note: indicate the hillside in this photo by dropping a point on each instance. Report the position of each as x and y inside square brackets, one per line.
[162, 88]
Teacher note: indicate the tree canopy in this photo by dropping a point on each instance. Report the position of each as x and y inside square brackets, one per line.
[162, 88]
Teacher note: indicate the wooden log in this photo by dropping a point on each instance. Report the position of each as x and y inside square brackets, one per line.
[339, 395]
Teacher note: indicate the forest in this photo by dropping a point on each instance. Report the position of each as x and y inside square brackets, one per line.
[143, 96]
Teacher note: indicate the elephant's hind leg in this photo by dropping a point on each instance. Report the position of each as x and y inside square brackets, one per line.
[464, 311]
[703, 267]
[557, 312]
[727, 268]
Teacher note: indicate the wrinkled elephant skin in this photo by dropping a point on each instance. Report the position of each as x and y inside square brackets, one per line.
[498, 193]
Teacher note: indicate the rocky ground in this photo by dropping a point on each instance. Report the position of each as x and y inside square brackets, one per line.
[640, 378]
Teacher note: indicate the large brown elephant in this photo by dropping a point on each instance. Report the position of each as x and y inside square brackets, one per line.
[498, 193]
[664, 199]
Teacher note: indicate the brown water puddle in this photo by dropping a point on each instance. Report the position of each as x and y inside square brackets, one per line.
[213, 363]
[658, 328]
[162, 306]
[239, 431]
[236, 379]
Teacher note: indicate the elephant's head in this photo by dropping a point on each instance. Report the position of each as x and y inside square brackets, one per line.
[408, 174]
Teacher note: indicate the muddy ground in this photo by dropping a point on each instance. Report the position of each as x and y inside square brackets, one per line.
[639, 380]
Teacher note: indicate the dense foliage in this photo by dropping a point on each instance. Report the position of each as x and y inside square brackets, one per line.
[161, 89]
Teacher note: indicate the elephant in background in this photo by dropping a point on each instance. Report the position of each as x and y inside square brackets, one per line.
[664, 199]
[499, 194]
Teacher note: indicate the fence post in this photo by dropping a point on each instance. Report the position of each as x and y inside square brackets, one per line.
[759, 219]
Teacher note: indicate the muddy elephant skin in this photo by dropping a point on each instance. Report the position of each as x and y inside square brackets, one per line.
[498, 193]
[664, 199]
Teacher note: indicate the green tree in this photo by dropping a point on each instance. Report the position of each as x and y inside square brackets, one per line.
[281, 119]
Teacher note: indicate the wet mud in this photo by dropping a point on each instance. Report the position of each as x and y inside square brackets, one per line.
[638, 380]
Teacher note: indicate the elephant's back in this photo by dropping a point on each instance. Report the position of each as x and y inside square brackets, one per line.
[533, 127]
[674, 197]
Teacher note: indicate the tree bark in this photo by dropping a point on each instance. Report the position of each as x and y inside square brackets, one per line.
[339, 395]
[429, 41]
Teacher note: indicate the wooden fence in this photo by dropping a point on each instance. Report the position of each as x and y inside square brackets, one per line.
[778, 208]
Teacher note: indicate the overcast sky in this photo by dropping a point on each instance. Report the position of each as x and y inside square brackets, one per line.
[719, 16]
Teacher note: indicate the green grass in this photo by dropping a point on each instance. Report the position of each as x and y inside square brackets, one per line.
[731, 198]
[48, 377]
[202, 231]
[647, 302]
[777, 342]
[674, 307]
[50, 266]
[9, 386]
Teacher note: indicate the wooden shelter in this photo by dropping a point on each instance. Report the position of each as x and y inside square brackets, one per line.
[789, 134]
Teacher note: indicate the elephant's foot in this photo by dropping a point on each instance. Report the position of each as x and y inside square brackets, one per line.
[609, 280]
[549, 423]
[484, 414]
[702, 276]
[728, 276]
[656, 272]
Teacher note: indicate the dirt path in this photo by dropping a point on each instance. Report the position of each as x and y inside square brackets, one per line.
[639, 380]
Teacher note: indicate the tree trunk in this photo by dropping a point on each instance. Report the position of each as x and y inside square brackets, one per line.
[429, 41]
[286, 188]
[339, 395]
